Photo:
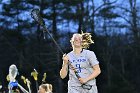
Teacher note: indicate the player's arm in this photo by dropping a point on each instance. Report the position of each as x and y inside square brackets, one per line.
[95, 66]
[64, 69]
[96, 72]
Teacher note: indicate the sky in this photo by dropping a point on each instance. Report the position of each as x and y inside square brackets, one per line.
[64, 24]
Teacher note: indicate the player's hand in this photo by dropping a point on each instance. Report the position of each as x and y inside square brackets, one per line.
[65, 59]
[83, 80]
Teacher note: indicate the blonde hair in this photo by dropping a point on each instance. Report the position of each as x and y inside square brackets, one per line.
[47, 87]
[74, 35]
[85, 39]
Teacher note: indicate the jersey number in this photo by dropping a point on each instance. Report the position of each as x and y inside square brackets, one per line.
[78, 67]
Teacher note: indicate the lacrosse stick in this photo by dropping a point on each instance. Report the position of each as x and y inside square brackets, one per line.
[35, 14]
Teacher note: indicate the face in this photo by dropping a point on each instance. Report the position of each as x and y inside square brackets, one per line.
[41, 90]
[77, 40]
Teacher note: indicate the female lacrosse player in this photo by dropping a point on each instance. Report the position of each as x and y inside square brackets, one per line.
[45, 88]
[82, 65]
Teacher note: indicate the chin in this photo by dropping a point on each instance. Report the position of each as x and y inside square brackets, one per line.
[77, 46]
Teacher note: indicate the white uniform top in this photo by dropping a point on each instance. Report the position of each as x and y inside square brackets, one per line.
[84, 65]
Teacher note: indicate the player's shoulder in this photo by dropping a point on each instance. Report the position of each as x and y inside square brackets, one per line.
[88, 51]
[71, 52]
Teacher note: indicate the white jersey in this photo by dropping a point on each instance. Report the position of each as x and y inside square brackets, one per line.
[84, 65]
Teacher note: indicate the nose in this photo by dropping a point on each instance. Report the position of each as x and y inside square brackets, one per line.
[77, 39]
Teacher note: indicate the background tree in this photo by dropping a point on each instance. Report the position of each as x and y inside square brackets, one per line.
[114, 26]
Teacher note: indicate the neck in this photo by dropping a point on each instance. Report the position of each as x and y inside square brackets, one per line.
[77, 50]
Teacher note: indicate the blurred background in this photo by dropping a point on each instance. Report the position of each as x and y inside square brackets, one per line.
[114, 25]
